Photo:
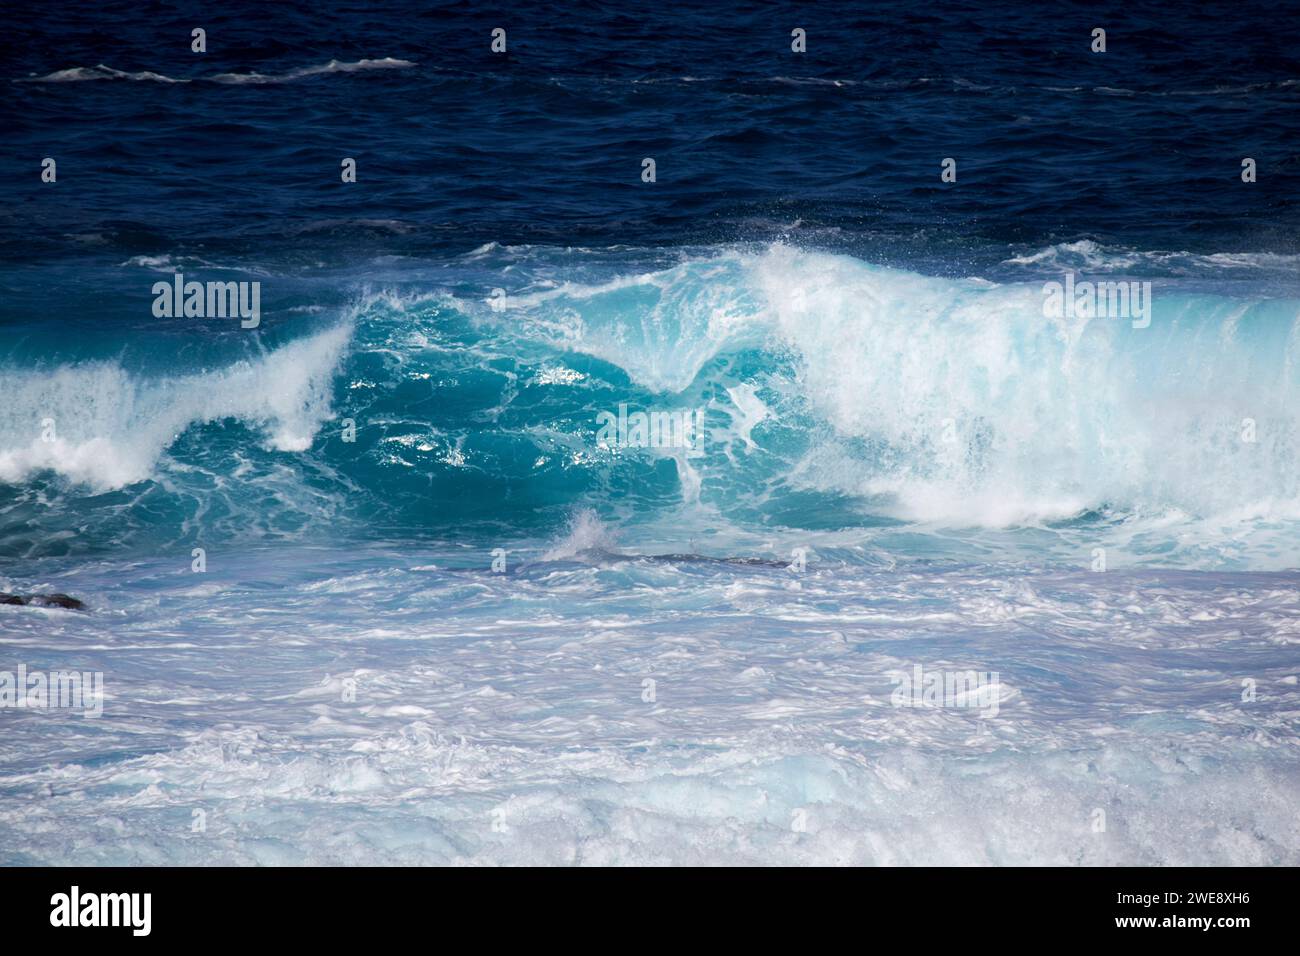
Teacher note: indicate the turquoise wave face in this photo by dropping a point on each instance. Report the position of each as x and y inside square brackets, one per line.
[786, 396]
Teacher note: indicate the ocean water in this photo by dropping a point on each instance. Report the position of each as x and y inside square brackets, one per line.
[367, 584]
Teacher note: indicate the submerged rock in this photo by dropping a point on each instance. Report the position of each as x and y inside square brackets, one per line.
[43, 600]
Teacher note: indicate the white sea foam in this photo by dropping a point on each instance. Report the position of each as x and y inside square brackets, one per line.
[108, 427]
[81, 74]
[995, 415]
[333, 66]
[586, 532]
[1086, 254]
[371, 709]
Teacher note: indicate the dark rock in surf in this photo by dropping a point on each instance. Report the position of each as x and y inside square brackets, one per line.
[43, 600]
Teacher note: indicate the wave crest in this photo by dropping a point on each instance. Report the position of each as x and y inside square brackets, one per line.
[99, 425]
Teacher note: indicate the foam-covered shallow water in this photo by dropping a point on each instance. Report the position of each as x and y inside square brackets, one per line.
[504, 717]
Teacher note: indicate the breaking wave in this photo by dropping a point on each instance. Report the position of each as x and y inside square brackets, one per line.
[837, 395]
